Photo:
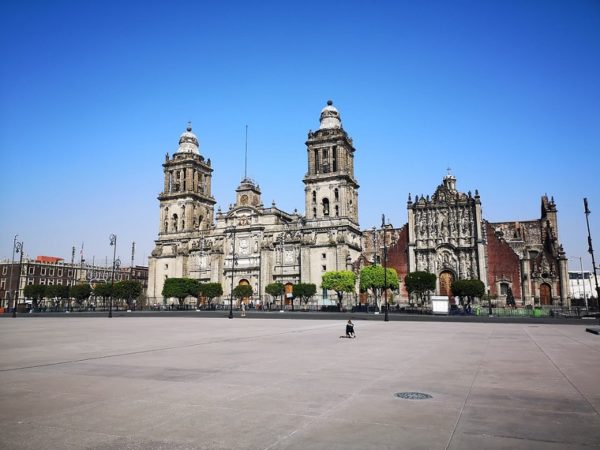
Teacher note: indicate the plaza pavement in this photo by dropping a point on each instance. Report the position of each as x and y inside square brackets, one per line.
[213, 383]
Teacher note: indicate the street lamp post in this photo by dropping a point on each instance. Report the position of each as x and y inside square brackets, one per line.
[374, 263]
[233, 264]
[591, 251]
[18, 247]
[386, 317]
[113, 243]
[282, 247]
[12, 263]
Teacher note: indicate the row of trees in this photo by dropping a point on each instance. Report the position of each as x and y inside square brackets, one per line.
[127, 290]
[374, 278]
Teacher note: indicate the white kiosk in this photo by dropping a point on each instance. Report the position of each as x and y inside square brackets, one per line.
[440, 304]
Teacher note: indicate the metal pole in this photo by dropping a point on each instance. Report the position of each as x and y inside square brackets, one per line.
[113, 243]
[591, 251]
[232, 273]
[12, 263]
[19, 249]
[374, 263]
[386, 317]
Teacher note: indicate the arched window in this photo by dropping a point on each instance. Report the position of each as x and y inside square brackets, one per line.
[337, 211]
[316, 161]
[326, 207]
[314, 213]
[336, 194]
[325, 161]
[314, 196]
[334, 156]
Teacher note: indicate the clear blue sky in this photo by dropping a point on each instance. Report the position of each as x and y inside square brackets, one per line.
[93, 94]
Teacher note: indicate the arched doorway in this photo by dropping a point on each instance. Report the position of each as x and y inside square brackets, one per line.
[446, 280]
[244, 282]
[545, 294]
[289, 289]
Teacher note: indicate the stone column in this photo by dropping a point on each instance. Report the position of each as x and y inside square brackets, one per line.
[526, 280]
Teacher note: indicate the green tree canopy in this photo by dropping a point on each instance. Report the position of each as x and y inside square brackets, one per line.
[340, 282]
[211, 290]
[35, 292]
[80, 292]
[103, 290]
[468, 289]
[303, 291]
[128, 290]
[180, 288]
[274, 289]
[374, 277]
[242, 291]
[420, 283]
[57, 291]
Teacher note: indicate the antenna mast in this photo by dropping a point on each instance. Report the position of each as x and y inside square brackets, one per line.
[246, 156]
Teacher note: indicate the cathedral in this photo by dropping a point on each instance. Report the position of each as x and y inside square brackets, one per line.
[445, 234]
[252, 243]
[521, 261]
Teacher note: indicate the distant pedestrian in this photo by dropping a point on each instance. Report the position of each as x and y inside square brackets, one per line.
[350, 329]
[243, 309]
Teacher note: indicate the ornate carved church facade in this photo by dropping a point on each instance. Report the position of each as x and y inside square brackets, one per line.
[446, 235]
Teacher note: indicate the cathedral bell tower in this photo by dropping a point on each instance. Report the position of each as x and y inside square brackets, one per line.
[186, 202]
[331, 190]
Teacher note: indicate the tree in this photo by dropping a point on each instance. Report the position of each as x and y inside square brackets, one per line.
[303, 291]
[340, 282]
[35, 292]
[275, 290]
[57, 291]
[104, 290]
[128, 290]
[475, 288]
[374, 278]
[180, 288]
[80, 292]
[468, 289]
[420, 283]
[242, 291]
[210, 291]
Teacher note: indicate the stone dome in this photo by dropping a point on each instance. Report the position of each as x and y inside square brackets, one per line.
[188, 142]
[330, 117]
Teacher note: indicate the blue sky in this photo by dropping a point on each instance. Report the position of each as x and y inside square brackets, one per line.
[93, 94]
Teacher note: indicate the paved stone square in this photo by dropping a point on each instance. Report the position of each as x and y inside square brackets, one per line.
[214, 383]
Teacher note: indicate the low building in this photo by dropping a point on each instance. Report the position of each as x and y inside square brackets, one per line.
[48, 271]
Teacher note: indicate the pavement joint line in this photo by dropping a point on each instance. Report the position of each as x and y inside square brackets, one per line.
[161, 349]
[592, 348]
[564, 375]
[475, 375]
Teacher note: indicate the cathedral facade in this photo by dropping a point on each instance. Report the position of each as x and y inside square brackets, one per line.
[446, 235]
[252, 243]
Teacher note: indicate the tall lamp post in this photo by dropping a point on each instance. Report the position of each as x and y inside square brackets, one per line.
[591, 251]
[374, 262]
[113, 243]
[231, 231]
[12, 263]
[18, 247]
[386, 318]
